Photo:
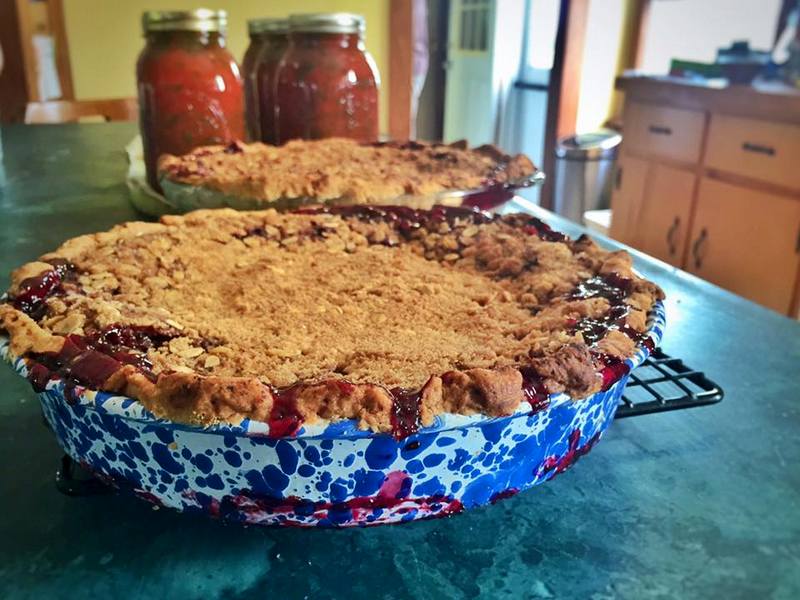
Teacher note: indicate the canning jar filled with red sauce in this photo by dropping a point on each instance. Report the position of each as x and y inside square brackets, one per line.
[275, 44]
[263, 34]
[190, 89]
[326, 84]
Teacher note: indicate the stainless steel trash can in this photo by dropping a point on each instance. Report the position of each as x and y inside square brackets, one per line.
[584, 167]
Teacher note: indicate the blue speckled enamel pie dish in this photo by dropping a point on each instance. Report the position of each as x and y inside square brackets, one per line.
[328, 475]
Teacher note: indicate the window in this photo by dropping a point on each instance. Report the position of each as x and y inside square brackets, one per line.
[695, 29]
[474, 25]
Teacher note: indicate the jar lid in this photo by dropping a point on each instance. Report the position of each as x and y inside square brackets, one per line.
[259, 26]
[327, 23]
[201, 19]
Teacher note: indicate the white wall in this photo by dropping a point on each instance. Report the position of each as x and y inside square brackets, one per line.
[603, 37]
[694, 29]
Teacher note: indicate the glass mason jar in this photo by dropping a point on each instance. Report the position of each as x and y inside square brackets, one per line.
[276, 42]
[190, 89]
[265, 36]
[326, 84]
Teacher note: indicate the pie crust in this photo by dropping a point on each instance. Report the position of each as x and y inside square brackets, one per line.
[389, 316]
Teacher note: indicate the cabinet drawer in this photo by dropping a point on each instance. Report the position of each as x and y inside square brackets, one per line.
[669, 132]
[759, 149]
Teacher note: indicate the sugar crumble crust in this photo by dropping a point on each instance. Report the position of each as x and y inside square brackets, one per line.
[348, 307]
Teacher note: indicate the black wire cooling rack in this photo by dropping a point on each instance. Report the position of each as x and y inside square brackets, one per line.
[660, 384]
[664, 383]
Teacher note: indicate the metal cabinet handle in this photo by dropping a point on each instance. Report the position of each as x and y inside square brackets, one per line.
[698, 247]
[758, 148]
[673, 229]
[660, 130]
[618, 180]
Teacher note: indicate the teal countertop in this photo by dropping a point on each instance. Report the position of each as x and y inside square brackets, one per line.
[697, 503]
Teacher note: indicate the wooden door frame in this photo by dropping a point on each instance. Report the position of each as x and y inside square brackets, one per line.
[55, 15]
[401, 23]
[563, 90]
[18, 80]
[640, 19]
[13, 85]
[26, 50]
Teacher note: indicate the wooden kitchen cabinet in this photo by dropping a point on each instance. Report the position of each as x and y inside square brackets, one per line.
[662, 225]
[626, 199]
[710, 183]
[746, 241]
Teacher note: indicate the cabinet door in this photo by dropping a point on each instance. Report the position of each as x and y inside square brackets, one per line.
[626, 199]
[662, 226]
[746, 241]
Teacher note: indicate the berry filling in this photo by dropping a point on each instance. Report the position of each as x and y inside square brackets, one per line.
[614, 289]
[89, 360]
[406, 412]
[285, 419]
[535, 391]
[408, 219]
[33, 291]
[555, 465]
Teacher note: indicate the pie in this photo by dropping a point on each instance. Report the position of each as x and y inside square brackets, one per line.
[335, 171]
[389, 316]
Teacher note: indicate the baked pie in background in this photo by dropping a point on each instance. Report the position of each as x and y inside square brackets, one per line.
[339, 171]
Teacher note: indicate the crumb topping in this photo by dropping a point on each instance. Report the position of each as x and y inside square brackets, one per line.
[210, 316]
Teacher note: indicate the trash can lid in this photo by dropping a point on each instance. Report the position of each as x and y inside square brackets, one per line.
[589, 146]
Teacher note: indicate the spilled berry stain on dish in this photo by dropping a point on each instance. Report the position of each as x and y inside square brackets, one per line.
[509, 493]
[393, 494]
[557, 465]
